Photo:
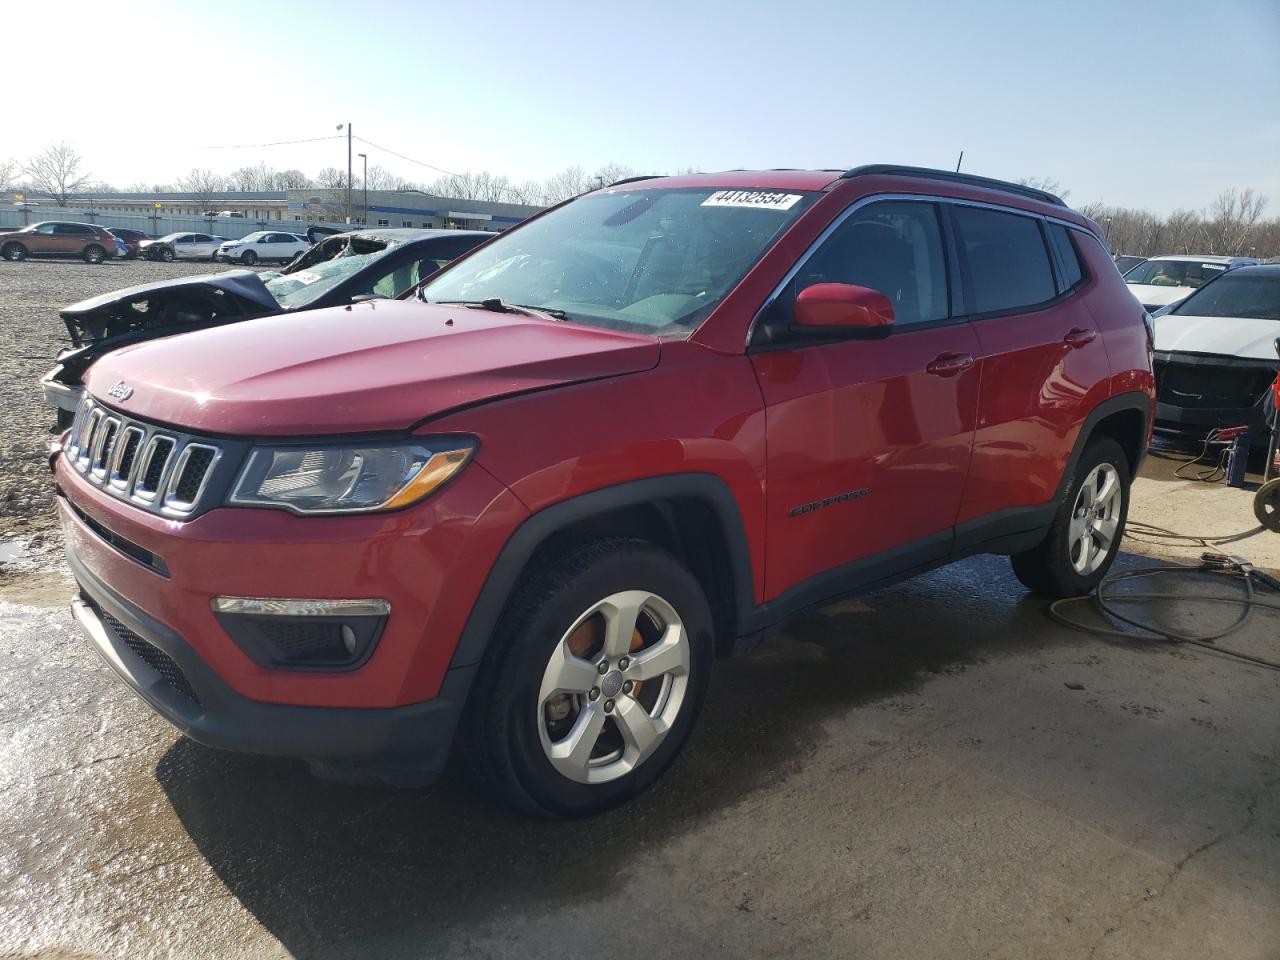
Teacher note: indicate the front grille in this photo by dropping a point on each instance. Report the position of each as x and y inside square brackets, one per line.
[151, 655]
[1206, 386]
[160, 470]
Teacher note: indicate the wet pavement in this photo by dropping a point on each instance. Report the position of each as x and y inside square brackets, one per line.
[906, 775]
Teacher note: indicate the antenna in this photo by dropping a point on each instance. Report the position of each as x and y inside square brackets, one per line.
[958, 161]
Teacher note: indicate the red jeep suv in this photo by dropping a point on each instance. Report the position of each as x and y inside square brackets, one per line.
[528, 505]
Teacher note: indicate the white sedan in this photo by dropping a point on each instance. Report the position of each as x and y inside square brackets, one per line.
[263, 245]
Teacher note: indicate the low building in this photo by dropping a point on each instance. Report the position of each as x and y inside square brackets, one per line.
[404, 208]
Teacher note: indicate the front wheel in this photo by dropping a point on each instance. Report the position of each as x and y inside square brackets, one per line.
[14, 251]
[249, 258]
[593, 680]
[167, 255]
[1085, 535]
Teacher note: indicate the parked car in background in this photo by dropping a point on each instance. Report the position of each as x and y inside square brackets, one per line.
[626, 437]
[181, 246]
[1126, 263]
[130, 238]
[1217, 354]
[1162, 281]
[54, 238]
[368, 264]
[263, 246]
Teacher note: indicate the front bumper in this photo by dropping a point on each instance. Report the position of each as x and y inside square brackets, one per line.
[163, 669]
[60, 396]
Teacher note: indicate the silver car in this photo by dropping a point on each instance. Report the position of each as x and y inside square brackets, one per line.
[181, 246]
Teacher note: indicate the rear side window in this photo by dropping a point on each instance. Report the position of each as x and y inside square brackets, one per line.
[1068, 259]
[894, 247]
[1008, 264]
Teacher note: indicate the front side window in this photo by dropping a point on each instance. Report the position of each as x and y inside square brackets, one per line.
[1007, 260]
[1255, 296]
[653, 261]
[46, 229]
[893, 247]
[1174, 273]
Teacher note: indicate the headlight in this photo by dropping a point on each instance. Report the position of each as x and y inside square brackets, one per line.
[349, 478]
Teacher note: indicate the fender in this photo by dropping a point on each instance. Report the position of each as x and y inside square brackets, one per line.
[535, 530]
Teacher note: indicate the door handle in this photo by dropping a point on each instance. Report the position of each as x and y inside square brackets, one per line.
[949, 364]
[1079, 336]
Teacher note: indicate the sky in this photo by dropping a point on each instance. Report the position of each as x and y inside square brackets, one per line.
[1158, 104]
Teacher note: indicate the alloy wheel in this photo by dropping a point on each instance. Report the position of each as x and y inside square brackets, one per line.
[1095, 519]
[613, 687]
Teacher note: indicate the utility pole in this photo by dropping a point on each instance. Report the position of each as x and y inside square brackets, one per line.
[348, 172]
[365, 158]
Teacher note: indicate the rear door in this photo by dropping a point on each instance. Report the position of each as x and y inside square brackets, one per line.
[868, 440]
[1042, 359]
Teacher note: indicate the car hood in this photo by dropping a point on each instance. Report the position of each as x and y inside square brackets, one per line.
[244, 284]
[1158, 296]
[1224, 336]
[381, 365]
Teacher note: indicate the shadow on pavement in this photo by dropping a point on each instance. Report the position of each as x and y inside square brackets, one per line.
[332, 870]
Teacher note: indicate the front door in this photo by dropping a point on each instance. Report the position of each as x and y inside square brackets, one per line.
[868, 441]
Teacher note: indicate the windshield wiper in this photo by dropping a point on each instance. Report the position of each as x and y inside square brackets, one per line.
[498, 305]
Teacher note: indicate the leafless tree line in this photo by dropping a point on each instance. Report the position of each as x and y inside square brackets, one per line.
[1232, 225]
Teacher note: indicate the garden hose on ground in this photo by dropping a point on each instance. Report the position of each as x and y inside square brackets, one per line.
[1105, 600]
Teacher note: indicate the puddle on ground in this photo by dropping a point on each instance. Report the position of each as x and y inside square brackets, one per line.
[11, 550]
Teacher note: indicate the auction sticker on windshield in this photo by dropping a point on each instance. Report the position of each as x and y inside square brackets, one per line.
[758, 199]
[305, 277]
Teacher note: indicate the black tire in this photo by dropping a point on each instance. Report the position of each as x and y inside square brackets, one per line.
[501, 734]
[14, 252]
[94, 254]
[166, 254]
[249, 258]
[1048, 569]
[1266, 505]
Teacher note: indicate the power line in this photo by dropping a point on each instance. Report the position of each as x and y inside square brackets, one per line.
[277, 143]
[519, 195]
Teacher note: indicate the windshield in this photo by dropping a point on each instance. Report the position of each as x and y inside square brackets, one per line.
[1255, 297]
[309, 280]
[647, 261]
[1174, 273]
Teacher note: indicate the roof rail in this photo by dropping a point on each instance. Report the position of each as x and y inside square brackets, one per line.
[643, 176]
[894, 170]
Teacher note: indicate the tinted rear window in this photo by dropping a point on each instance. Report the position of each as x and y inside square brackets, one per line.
[1008, 262]
[1072, 272]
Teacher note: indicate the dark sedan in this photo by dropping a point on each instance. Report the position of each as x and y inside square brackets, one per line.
[340, 269]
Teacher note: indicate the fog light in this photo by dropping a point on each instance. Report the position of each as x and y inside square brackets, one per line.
[284, 634]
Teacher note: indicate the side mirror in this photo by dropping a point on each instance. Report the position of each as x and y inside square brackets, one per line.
[843, 306]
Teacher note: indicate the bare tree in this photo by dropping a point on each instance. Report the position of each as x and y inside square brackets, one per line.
[204, 184]
[611, 173]
[290, 180]
[57, 172]
[1047, 184]
[567, 183]
[8, 170]
[252, 179]
[380, 179]
[1232, 217]
[331, 178]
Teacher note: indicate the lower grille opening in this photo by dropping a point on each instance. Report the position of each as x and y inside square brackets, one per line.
[1203, 386]
[130, 549]
[151, 655]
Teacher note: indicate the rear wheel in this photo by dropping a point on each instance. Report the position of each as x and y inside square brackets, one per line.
[249, 258]
[593, 681]
[1085, 535]
[1266, 505]
[94, 254]
[14, 251]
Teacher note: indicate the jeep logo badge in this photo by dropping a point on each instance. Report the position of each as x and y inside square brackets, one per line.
[121, 391]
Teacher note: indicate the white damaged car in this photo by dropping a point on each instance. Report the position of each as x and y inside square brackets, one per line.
[1217, 354]
[1162, 281]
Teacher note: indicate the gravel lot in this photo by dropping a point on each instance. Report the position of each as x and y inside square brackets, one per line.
[31, 294]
